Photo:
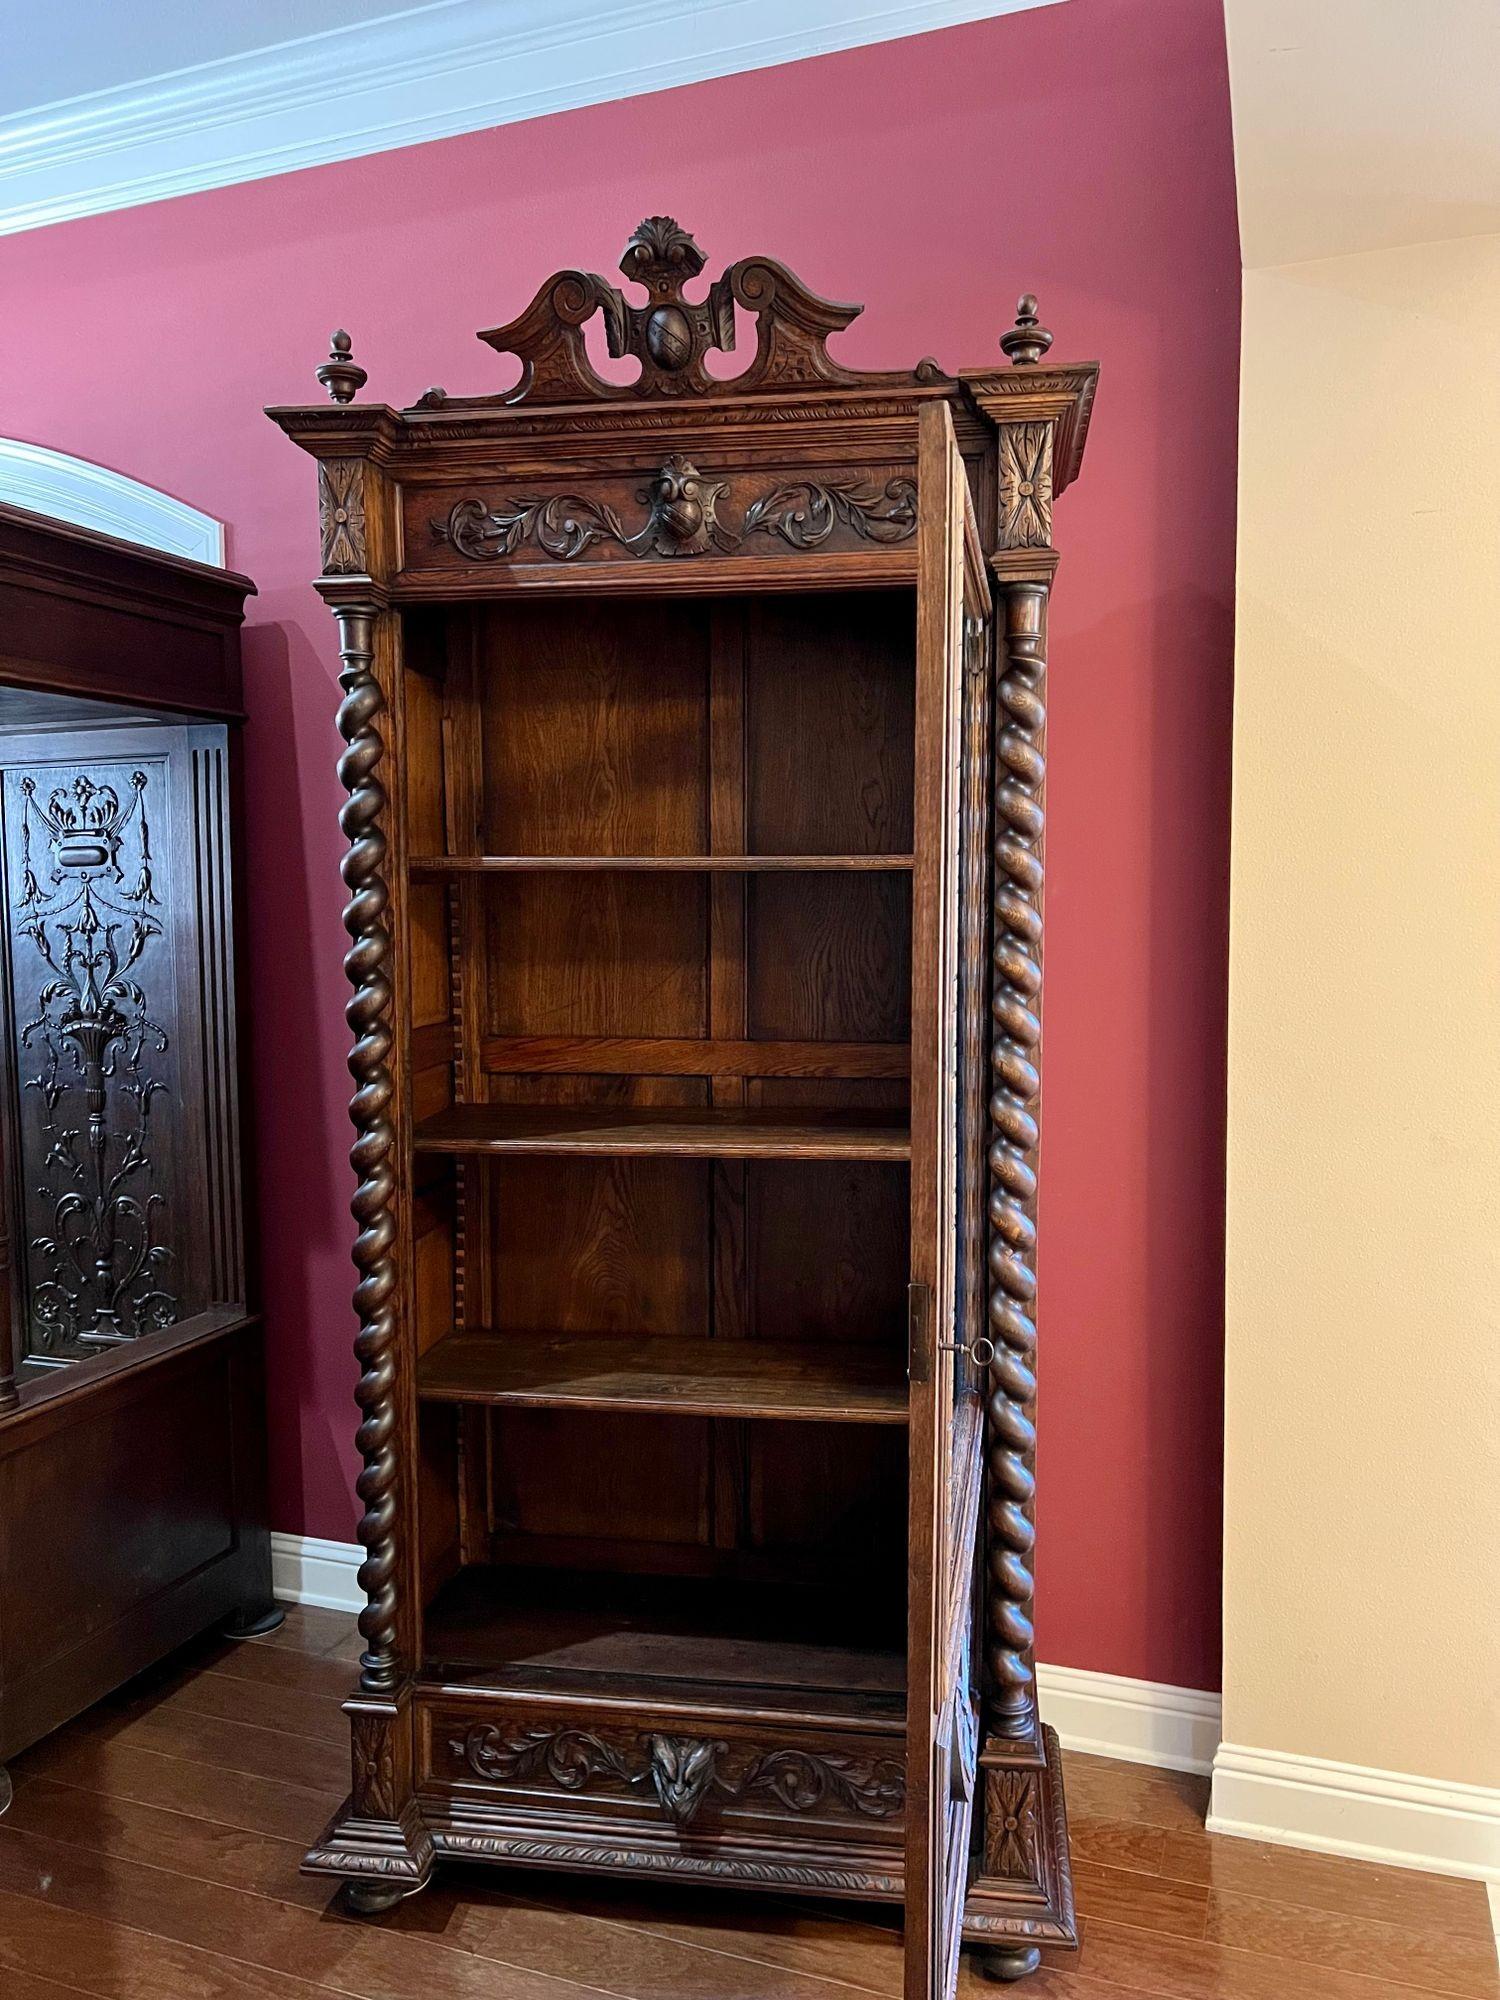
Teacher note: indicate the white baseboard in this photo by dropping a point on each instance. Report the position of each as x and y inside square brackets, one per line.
[307, 1571]
[1175, 1728]
[1141, 1722]
[1382, 1816]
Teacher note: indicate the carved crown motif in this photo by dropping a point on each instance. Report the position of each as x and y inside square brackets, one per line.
[671, 335]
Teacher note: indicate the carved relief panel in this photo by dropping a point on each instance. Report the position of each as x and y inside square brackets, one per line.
[114, 854]
[678, 511]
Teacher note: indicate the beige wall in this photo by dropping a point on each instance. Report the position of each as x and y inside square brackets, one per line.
[1362, 1504]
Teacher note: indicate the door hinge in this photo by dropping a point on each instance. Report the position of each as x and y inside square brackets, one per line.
[918, 1332]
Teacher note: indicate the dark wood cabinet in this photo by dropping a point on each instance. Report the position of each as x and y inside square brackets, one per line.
[132, 1503]
[694, 751]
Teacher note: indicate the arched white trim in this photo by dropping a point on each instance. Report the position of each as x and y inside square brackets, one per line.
[91, 496]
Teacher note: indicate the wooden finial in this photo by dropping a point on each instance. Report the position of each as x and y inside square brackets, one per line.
[1027, 341]
[341, 375]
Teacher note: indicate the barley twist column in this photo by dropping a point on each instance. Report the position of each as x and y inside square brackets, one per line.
[368, 1013]
[1015, 1079]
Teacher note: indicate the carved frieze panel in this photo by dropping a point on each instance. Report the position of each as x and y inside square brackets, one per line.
[104, 1047]
[679, 512]
[681, 1773]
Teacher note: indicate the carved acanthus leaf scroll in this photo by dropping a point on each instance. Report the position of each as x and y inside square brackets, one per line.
[670, 335]
[683, 1771]
[682, 518]
[806, 513]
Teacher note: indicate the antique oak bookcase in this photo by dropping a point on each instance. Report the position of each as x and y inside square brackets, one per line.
[694, 772]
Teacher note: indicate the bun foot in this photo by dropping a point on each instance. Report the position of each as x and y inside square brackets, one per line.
[370, 1899]
[253, 1621]
[1009, 1962]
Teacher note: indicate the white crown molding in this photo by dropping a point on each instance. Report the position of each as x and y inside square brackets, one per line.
[91, 496]
[1371, 1815]
[428, 73]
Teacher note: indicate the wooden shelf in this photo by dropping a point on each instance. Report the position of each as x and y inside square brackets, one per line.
[815, 1381]
[535, 1625]
[719, 1133]
[618, 864]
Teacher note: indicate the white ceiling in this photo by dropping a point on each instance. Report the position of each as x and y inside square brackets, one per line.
[1363, 124]
[108, 103]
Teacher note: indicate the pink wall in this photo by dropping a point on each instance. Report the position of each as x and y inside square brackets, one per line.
[1082, 150]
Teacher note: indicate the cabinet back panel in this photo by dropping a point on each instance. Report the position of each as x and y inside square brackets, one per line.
[829, 703]
[595, 728]
[766, 725]
[599, 1478]
[828, 958]
[603, 1246]
[828, 1251]
[597, 954]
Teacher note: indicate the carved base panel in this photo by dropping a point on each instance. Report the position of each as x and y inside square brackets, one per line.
[616, 1787]
[1021, 1894]
[791, 1857]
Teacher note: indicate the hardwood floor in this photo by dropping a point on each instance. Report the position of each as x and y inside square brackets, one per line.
[152, 1849]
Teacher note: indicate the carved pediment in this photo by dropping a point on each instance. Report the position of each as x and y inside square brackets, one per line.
[670, 335]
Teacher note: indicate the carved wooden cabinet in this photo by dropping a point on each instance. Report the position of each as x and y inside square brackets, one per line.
[694, 765]
[132, 1504]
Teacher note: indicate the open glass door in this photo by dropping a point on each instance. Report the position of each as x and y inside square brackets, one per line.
[946, 1230]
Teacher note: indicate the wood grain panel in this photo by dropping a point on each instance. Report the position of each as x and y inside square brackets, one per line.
[829, 957]
[602, 1246]
[829, 704]
[427, 914]
[618, 1480]
[425, 812]
[595, 720]
[596, 955]
[829, 1252]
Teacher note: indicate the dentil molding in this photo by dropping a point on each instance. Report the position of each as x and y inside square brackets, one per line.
[429, 72]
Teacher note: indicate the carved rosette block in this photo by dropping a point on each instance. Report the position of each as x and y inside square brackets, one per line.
[341, 515]
[1021, 1896]
[378, 1841]
[368, 1013]
[1026, 486]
